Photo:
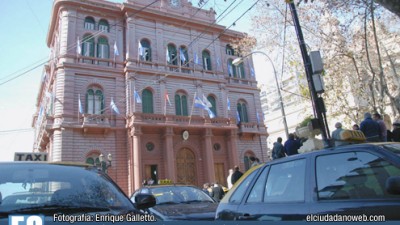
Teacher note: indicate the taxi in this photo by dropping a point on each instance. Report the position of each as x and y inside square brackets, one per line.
[49, 189]
[340, 182]
[179, 202]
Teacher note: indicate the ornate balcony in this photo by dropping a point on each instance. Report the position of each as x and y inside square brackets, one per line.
[173, 120]
[43, 131]
[96, 123]
[249, 130]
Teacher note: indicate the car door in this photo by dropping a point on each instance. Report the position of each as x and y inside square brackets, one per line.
[277, 194]
[353, 183]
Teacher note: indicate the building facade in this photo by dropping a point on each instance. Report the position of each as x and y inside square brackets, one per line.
[151, 83]
[297, 107]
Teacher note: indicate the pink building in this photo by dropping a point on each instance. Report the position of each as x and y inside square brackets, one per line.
[122, 79]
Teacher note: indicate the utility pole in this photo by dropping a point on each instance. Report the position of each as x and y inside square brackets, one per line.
[317, 101]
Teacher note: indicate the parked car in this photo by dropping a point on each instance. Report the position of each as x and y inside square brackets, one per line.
[360, 179]
[28, 188]
[179, 202]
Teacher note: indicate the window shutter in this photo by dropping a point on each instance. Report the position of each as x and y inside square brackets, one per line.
[239, 109]
[245, 116]
[213, 103]
[184, 105]
[149, 56]
[147, 105]
[102, 103]
[91, 44]
[178, 105]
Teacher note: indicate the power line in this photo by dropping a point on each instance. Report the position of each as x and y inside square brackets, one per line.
[15, 130]
[73, 46]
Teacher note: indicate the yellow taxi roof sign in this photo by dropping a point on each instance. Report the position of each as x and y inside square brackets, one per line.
[352, 135]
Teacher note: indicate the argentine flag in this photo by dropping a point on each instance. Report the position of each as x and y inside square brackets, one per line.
[114, 106]
[137, 97]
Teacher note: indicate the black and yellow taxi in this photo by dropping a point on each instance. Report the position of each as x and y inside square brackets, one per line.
[179, 202]
[62, 188]
[339, 182]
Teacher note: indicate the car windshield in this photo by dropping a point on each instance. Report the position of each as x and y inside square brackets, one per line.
[395, 148]
[57, 188]
[179, 194]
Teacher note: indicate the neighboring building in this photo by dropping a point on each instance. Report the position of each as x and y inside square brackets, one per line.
[148, 60]
[296, 107]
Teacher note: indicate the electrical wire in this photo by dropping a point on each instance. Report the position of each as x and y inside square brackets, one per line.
[72, 46]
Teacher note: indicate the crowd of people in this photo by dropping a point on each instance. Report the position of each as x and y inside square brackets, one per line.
[290, 147]
[373, 128]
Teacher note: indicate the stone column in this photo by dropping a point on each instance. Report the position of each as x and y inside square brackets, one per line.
[169, 154]
[208, 159]
[131, 42]
[136, 157]
[232, 150]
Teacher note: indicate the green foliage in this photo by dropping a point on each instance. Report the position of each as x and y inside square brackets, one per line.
[305, 122]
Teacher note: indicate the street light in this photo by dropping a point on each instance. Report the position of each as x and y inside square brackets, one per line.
[103, 164]
[237, 61]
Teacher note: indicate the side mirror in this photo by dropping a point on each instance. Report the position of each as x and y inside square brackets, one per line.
[393, 185]
[145, 201]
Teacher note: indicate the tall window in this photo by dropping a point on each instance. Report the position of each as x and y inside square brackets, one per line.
[231, 68]
[147, 99]
[94, 101]
[103, 25]
[213, 108]
[229, 50]
[242, 109]
[181, 108]
[247, 161]
[88, 45]
[206, 60]
[103, 51]
[171, 55]
[89, 23]
[145, 50]
[183, 56]
[240, 71]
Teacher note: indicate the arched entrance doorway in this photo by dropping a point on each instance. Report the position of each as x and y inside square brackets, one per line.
[186, 167]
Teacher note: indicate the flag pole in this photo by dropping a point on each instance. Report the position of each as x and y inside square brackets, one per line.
[79, 113]
[194, 98]
[165, 103]
[134, 99]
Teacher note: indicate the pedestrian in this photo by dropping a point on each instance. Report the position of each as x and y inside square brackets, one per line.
[336, 135]
[396, 131]
[278, 151]
[291, 145]
[370, 128]
[378, 118]
[229, 179]
[236, 175]
[257, 162]
[217, 192]
[206, 186]
[356, 127]
[254, 161]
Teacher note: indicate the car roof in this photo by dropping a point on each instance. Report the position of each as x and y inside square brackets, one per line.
[167, 185]
[63, 163]
[337, 148]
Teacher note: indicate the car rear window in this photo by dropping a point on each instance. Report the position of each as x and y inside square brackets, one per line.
[239, 192]
[395, 148]
[353, 175]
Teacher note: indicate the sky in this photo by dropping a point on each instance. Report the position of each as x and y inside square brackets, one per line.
[23, 50]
